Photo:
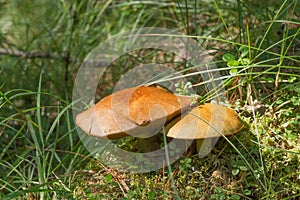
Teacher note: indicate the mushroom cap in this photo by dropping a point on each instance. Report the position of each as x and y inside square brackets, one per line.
[194, 125]
[132, 111]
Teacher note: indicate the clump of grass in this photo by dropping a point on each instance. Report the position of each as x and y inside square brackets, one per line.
[39, 146]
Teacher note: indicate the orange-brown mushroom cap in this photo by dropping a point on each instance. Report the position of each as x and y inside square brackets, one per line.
[132, 111]
[197, 124]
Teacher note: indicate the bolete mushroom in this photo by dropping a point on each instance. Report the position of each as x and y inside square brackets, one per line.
[132, 111]
[205, 121]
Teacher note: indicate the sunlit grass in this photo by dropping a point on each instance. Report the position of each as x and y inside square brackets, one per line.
[39, 151]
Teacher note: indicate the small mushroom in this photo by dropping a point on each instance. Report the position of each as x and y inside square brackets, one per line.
[201, 123]
[132, 111]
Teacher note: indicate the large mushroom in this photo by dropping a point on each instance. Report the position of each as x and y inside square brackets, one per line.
[205, 122]
[139, 111]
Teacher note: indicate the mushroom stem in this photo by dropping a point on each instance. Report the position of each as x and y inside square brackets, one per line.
[149, 144]
[204, 146]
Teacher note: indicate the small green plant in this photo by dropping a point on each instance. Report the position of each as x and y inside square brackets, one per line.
[185, 164]
[233, 62]
[219, 194]
[236, 169]
[183, 88]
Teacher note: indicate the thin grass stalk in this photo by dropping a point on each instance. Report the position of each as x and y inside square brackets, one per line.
[169, 165]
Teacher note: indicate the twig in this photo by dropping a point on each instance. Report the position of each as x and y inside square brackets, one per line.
[122, 184]
[281, 105]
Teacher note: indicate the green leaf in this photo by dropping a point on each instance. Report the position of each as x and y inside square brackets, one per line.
[233, 63]
[247, 192]
[292, 79]
[151, 195]
[235, 197]
[243, 168]
[244, 51]
[279, 101]
[295, 100]
[188, 160]
[235, 172]
[245, 61]
[233, 71]
[228, 57]
[108, 178]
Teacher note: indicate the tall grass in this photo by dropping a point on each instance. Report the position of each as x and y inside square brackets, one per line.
[40, 147]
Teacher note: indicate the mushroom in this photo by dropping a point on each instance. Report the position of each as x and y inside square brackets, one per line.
[132, 111]
[202, 122]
